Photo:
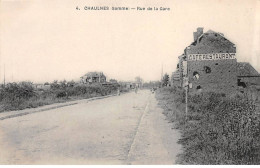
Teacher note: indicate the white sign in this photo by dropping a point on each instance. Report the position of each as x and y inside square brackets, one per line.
[185, 81]
[185, 68]
[213, 56]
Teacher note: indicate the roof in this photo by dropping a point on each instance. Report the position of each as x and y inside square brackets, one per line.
[246, 69]
[94, 74]
[210, 32]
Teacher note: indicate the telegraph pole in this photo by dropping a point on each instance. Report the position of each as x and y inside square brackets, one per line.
[4, 75]
[186, 100]
[162, 76]
[186, 87]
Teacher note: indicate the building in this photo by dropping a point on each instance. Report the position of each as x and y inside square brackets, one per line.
[209, 64]
[247, 75]
[93, 77]
[41, 86]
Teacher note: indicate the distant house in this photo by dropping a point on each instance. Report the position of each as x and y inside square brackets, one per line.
[113, 81]
[93, 77]
[41, 86]
[128, 85]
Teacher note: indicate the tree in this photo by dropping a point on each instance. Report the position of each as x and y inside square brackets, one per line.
[63, 84]
[55, 85]
[71, 83]
[165, 80]
[138, 79]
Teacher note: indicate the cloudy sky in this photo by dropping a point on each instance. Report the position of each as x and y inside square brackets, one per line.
[44, 40]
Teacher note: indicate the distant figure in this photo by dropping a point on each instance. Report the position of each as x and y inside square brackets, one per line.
[118, 92]
[136, 89]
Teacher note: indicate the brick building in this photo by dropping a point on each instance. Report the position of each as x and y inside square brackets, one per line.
[209, 64]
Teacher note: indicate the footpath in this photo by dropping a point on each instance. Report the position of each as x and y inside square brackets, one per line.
[155, 142]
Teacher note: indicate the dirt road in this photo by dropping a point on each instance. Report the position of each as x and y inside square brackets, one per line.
[125, 129]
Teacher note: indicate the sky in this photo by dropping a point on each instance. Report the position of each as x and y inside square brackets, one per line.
[46, 40]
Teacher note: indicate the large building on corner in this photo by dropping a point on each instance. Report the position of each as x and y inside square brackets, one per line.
[209, 64]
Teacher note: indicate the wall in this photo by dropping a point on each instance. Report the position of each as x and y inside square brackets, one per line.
[214, 75]
[248, 80]
[221, 77]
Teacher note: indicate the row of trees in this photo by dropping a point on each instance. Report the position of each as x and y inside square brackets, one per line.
[163, 83]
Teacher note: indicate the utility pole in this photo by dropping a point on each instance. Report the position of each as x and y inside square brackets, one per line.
[186, 86]
[186, 100]
[162, 76]
[4, 75]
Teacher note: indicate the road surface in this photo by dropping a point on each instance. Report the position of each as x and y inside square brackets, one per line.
[125, 129]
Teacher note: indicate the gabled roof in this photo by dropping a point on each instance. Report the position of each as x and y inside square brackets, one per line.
[246, 69]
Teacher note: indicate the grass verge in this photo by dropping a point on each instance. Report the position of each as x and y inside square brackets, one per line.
[218, 129]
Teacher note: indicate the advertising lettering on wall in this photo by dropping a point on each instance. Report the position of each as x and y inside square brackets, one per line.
[212, 56]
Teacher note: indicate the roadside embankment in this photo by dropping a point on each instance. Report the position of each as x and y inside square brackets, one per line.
[12, 114]
[19, 96]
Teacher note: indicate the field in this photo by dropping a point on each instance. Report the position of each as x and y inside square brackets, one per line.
[18, 96]
[219, 129]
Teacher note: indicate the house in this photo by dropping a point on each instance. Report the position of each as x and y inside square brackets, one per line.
[93, 77]
[41, 86]
[209, 64]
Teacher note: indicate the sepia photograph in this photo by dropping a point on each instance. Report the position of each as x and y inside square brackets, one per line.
[130, 82]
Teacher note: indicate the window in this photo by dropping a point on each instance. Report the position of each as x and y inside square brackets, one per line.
[207, 69]
[196, 75]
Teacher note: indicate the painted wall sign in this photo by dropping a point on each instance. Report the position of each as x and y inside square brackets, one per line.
[211, 56]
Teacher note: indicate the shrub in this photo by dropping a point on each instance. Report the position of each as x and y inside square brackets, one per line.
[219, 129]
[61, 94]
[17, 91]
[17, 96]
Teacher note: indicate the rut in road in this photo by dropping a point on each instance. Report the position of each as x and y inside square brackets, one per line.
[137, 128]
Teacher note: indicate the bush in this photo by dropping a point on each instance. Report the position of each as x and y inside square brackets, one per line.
[14, 95]
[16, 91]
[17, 96]
[61, 94]
[219, 129]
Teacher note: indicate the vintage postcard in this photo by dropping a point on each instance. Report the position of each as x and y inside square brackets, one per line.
[130, 82]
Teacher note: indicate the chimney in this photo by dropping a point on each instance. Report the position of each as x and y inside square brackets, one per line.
[199, 31]
[197, 34]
